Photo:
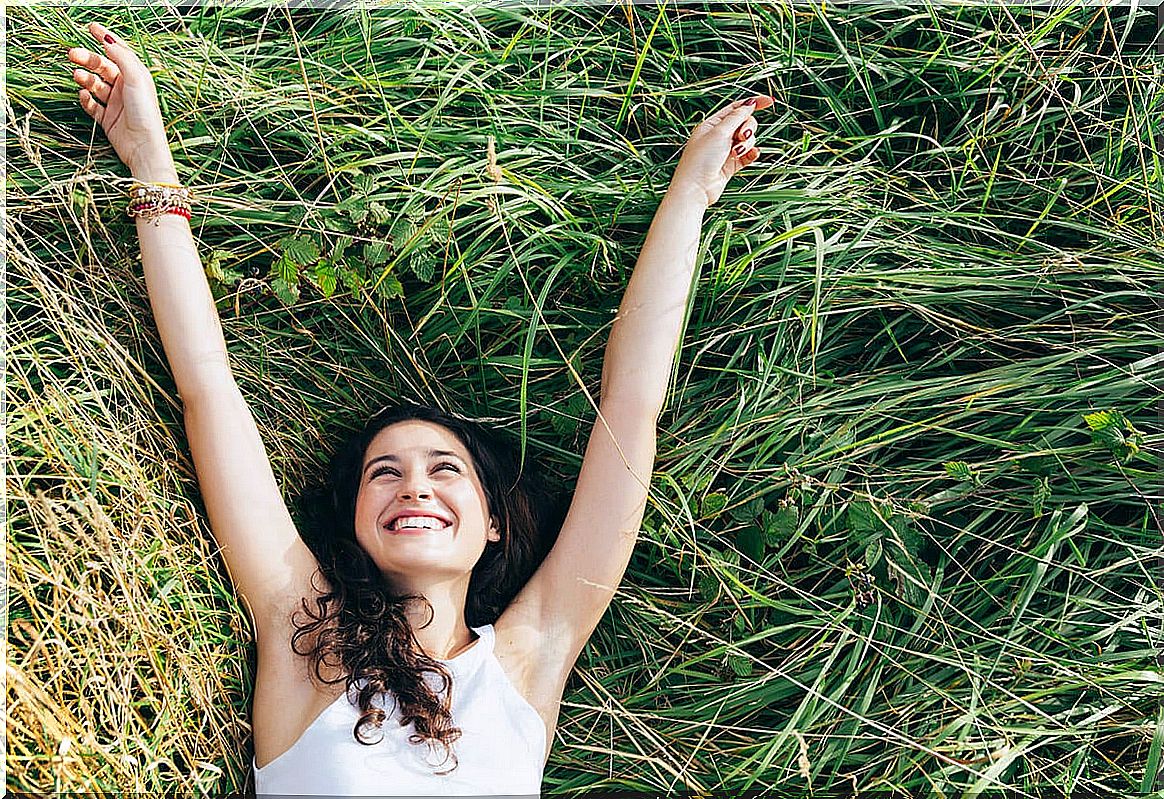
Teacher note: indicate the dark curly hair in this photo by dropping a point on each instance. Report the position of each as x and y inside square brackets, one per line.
[361, 625]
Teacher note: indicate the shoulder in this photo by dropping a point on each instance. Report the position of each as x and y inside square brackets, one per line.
[536, 662]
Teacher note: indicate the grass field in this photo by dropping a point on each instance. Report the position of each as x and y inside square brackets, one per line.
[904, 532]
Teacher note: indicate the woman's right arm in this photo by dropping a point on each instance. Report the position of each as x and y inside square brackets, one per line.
[269, 564]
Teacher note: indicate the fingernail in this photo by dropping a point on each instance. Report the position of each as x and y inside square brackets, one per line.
[109, 38]
[747, 133]
[750, 101]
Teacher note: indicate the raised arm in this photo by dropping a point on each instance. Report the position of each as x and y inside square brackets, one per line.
[268, 562]
[566, 598]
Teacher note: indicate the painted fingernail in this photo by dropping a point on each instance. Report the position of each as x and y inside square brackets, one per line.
[750, 101]
[747, 133]
[109, 38]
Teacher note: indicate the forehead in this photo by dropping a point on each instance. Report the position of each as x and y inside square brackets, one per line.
[414, 437]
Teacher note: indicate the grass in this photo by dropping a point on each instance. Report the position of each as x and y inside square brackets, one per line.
[922, 350]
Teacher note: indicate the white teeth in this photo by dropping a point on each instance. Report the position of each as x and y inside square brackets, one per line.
[417, 523]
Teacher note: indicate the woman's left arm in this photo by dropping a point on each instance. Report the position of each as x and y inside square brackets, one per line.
[564, 601]
[645, 335]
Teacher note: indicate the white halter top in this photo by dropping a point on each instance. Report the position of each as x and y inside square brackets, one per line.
[501, 750]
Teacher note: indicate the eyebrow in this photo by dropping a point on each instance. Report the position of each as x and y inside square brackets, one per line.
[432, 453]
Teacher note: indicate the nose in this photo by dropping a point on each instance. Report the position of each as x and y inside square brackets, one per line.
[415, 487]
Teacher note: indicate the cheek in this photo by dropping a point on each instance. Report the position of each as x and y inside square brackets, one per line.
[366, 507]
[470, 494]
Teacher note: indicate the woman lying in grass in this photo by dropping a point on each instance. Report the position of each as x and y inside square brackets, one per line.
[423, 646]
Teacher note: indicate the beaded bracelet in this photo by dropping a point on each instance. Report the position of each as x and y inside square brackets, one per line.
[154, 200]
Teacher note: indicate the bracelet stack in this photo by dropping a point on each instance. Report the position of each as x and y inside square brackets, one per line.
[154, 200]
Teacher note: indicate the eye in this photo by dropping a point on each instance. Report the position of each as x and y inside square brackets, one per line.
[448, 465]
[382, 470]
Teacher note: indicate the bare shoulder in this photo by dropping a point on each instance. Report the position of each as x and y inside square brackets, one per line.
[289, 696]
[537, 661]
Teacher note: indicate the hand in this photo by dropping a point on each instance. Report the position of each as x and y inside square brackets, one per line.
[118, 91]
[720, 146]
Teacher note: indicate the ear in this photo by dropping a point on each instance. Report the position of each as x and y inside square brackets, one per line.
[493, 534]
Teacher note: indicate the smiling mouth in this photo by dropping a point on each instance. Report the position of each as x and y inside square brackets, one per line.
[416, 524]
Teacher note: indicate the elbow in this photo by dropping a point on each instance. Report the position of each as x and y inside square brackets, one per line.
[636, 404]
[630, 394]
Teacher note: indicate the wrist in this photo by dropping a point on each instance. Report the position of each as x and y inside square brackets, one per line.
[688, 194]
[155, 168]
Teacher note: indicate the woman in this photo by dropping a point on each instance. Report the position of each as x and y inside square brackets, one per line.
[421, 702]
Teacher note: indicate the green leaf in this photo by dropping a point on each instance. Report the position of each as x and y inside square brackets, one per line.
[863, 518]
[1102, 420]
[1110, 437]
[740, 665]
[908, 590]
[579, 407]
[745, 512]
[364, 184]
[750, 542]
[565, 420]
[780, 526]
[230, 277]
[1039, 464]
[713, 504]
[214, 265]
[288, 293]
[423, 264]
[1042, 494]
[80, 200]
[299, 249]
[387, 286]
[325, 278]
[375, 253]
[438, 230]
[351, 279]
[402, 232]
[903, 559]
[909, 536]
[959, 470]
[708, 587]
[354, 207]
[285, 269]
[379, 213]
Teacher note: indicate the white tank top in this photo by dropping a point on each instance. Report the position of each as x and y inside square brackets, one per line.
[501, 750]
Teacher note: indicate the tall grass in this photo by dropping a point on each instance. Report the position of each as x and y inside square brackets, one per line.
[904, 532]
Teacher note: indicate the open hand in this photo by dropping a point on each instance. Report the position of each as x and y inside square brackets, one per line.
[118, 91]
[720, 146]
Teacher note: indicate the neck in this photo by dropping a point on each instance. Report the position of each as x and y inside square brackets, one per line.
[447, 635]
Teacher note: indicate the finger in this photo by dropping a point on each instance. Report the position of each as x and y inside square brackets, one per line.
[94, 63]
[733, 121]
[91, 106]
[724, 112]
[741, 147]
[97, 87]
[120, 53]
[746, 130]
[750, 156]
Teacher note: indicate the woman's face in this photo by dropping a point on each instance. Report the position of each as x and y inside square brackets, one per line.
[420, 510]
